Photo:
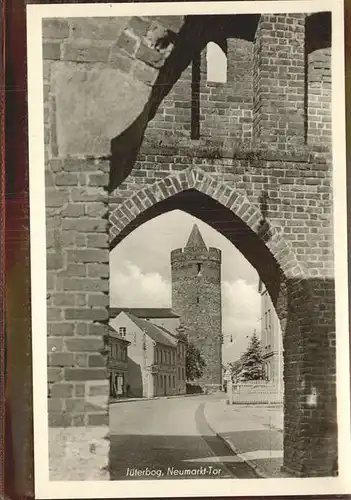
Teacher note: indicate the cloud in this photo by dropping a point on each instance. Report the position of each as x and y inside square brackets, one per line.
[131, 287]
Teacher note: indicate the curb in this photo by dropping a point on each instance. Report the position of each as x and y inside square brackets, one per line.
[135, 400]
[228, 471]
[256, 469]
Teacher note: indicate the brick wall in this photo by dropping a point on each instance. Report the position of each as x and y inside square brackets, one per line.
[297, 187]
[265, 97]
[319, 97]
[279, 62]
[224, 109]
[77, 290]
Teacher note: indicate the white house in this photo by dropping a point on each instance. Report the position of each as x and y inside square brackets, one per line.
[156, 357]
[271, 340]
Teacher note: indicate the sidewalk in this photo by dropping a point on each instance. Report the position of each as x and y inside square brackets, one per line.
[130, 400]
[254, 433]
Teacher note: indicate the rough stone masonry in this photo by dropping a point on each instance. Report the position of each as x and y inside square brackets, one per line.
[134, 129]
[196, 297]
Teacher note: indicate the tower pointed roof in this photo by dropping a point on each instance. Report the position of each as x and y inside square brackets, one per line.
[195, 239]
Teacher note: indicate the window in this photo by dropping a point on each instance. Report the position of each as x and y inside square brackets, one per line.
[269, 331]
[156, 355]
[197, 299]
[268, 371]
[216, 63]
[199, 266]
[122, 331]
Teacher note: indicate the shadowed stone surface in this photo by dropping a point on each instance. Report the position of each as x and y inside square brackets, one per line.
[93, 105]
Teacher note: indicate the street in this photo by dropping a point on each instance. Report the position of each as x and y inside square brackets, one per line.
[169, 439]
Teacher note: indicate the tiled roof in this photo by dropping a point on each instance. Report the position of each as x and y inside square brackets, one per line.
[145, 312]
[153, 331]
[167, 332]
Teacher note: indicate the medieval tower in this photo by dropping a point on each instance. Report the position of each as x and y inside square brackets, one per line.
[196, 297]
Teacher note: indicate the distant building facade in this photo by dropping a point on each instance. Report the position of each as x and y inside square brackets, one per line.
[156, 357]
[271, 340]
[118, 364]
[196, 297]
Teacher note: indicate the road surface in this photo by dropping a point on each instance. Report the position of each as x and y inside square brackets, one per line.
[169, 438]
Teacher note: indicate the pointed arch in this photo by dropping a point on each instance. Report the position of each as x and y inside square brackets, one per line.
[194, 179]
[294, 293]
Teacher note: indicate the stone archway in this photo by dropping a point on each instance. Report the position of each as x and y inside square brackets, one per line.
[286, 279]
[225, 194]
[91, 148]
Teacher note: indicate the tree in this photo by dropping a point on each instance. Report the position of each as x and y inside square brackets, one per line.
[194, 362]
[235, 368]
[252, 362]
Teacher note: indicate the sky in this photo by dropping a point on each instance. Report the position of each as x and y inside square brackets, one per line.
[140, 275]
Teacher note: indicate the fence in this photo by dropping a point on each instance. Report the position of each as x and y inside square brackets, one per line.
[258, 392]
